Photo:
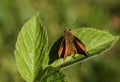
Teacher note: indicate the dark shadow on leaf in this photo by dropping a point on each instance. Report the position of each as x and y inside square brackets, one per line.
[53, 55]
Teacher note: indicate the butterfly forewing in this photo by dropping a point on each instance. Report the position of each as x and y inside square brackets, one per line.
[61, 50]
[81, 49]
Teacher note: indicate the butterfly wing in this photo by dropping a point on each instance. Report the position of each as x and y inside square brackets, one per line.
[61, 50]
[81, 49]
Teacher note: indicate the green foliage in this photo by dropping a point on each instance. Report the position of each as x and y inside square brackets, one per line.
[96, 41]
[32, 58]
[31, 48]
[50, 74]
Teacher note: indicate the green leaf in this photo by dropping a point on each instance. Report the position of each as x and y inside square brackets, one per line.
[31, 49]
[33, 61]
[50, 74]
[96, 42]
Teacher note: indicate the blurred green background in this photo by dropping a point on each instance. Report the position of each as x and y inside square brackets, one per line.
[56, 15]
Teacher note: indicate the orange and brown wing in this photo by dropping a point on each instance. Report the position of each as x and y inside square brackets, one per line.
[65, 49]
[81, 49]
[61, 50]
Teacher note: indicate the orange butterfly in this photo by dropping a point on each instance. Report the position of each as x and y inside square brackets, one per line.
[71, 45]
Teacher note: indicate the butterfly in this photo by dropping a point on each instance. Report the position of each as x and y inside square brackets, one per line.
[71, 45]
